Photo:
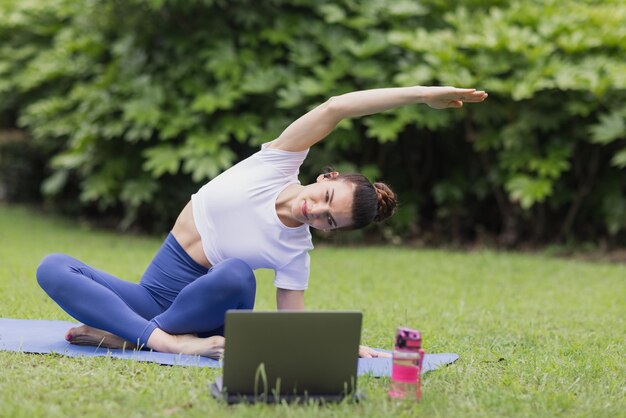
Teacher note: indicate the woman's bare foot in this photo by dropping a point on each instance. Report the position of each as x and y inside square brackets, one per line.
[86, 335]
[212, 347]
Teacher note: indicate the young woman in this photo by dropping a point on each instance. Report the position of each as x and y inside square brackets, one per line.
[254, 215]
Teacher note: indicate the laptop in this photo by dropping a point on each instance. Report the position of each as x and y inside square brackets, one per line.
[293, 356]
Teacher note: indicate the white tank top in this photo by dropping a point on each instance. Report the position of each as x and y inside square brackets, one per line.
[235, 214]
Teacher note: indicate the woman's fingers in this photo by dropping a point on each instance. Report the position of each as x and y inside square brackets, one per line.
[364, 351]
[367, 352]
[463, 91]
[477, 96]
[452, 97]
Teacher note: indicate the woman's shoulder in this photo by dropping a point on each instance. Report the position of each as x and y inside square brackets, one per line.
[287, 162]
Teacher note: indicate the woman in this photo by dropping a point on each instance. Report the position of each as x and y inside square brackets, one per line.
[254, 215]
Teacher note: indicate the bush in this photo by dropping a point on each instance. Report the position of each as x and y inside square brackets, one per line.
[131, 99]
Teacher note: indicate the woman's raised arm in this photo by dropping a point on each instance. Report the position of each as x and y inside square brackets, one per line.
[319, 122]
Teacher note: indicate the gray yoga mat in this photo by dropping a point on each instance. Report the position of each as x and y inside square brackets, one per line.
[42, 336]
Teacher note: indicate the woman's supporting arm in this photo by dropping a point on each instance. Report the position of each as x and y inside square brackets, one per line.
[289, 299]
[319, 122]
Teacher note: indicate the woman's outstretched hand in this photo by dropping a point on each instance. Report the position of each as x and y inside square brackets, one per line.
[368, 352]
[444, 97]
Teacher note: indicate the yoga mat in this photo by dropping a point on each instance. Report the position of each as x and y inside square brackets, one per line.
[40, 336]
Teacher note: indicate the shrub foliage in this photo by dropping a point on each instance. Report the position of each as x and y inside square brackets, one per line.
[136, 103]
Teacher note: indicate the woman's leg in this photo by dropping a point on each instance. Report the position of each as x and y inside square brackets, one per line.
[105, 302]
[201, 307]
[98, 299]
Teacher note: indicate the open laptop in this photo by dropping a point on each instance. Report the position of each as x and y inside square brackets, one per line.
[289, 355]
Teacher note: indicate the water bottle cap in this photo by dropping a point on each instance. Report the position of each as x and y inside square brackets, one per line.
[407, 338]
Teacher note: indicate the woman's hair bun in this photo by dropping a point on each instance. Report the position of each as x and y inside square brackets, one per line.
[387, 201]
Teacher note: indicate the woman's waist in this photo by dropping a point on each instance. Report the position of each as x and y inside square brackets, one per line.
[187, 235]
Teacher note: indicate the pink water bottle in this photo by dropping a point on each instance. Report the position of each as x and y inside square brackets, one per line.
[406, 367]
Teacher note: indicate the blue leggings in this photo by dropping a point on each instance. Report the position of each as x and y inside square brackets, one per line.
[175, 294]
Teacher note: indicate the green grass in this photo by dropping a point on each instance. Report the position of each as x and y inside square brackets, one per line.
[537, 336]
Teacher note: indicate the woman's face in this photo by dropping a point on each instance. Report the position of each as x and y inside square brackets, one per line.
[326, 204]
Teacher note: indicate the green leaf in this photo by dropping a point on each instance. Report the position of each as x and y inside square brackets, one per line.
[69, 160]
[554, 164]
[610, 128]
[138, 191]
[415, 75]
[178, 122]
[290, 96]
[224, 97]
[55, 183]
[201, 167]
[528, 190]
[261, 80]
[204, 159]
[161, 159]
[332, 13]
[241, 126]
[98, 187]
[407, 8]
[383, 127]
[447, 192]
[619, 159]
[304, 53]
[223, 61]
[375, 42]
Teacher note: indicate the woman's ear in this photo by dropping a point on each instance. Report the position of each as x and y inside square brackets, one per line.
[327, 176]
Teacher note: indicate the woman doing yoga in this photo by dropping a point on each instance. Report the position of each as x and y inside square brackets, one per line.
[254, 215]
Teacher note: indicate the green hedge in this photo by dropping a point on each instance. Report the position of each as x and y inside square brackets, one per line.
[137, 103]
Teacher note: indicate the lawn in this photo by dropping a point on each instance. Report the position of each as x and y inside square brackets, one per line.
[537, 336]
